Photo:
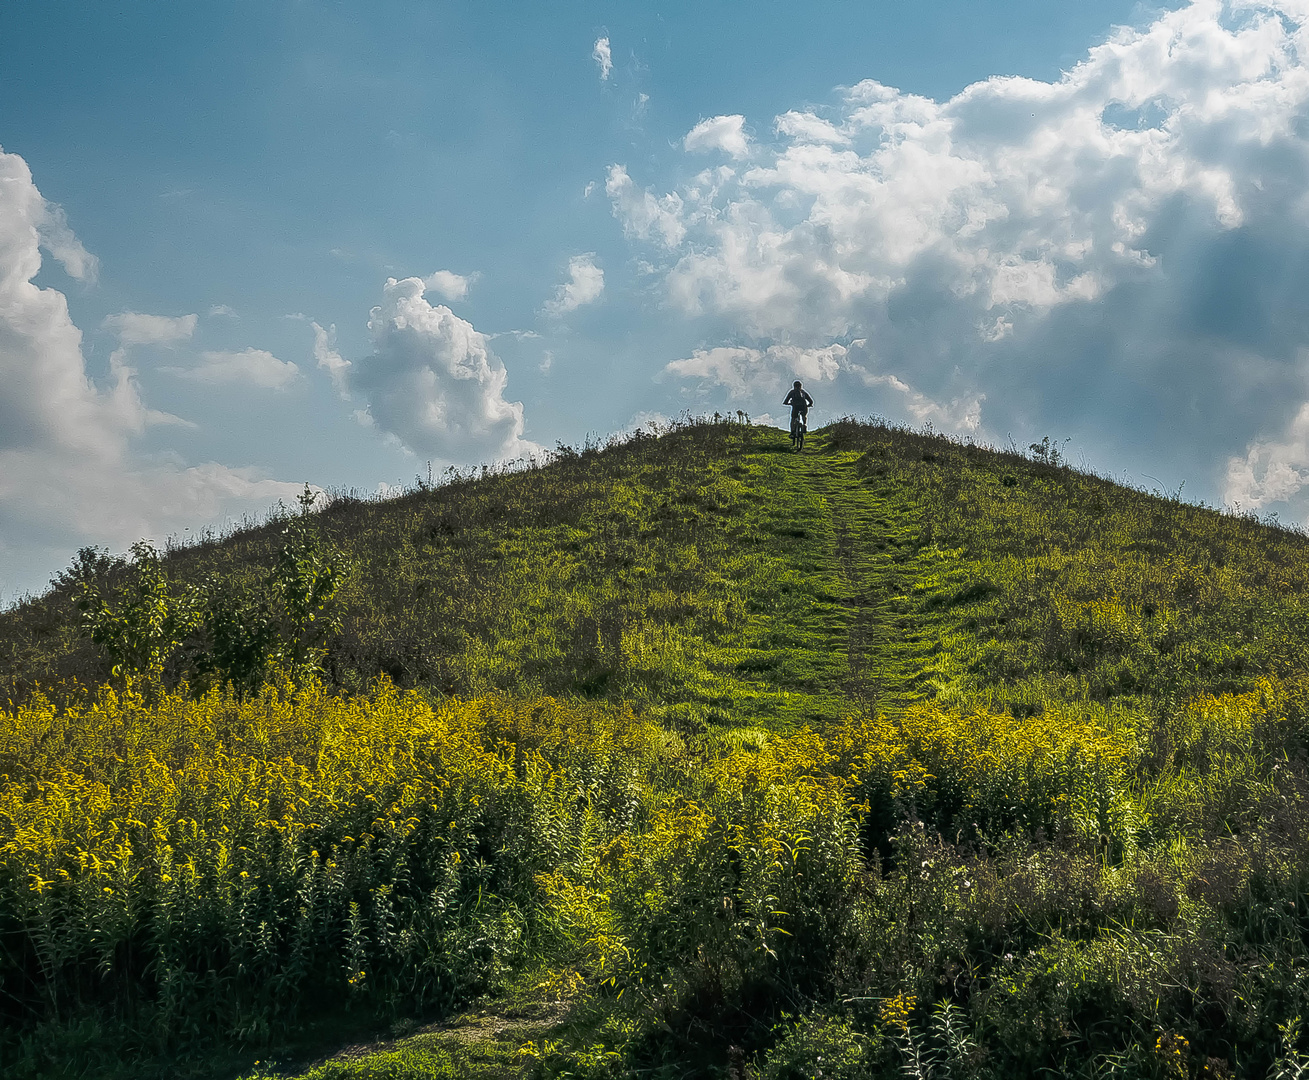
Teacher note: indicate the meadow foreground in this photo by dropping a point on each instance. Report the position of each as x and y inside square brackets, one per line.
[689, 757]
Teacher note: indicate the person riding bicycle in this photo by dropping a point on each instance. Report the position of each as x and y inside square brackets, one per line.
[800, 403]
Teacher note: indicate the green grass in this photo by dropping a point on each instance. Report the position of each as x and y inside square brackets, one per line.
[712, 575]
[1083, 903]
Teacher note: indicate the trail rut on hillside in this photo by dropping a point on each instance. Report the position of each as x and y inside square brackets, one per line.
[874, 562]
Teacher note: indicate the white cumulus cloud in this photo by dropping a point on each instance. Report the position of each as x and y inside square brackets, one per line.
[331, 361]
[644, 216]
[603, 57]
[806, 127]
[448, 284]
[433, 383]
[1275, 465]
[1272, 470]
[58, 239]
[1116, 254]
[585, 284]
[722, 133]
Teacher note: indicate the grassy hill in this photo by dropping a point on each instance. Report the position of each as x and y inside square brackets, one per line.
[897, 756]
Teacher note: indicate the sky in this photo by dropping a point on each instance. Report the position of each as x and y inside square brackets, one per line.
[249, 245]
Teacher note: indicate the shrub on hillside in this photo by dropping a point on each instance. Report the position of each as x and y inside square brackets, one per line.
[218, 631]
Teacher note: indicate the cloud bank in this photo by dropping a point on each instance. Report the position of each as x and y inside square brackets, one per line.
[1119, 254]
[69, 473]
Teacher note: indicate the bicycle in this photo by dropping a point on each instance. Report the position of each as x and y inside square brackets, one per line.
[797, 431]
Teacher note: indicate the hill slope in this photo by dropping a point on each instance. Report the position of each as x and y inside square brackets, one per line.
[947, 755]
[712, 569]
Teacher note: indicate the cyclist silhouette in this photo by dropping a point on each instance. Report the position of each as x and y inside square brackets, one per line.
[800, 403]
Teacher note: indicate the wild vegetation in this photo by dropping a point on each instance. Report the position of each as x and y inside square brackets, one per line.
[900, 756]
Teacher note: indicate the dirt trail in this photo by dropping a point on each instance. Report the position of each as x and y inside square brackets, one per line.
[482, 1044]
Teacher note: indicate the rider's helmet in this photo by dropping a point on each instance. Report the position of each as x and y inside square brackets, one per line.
[797, 384]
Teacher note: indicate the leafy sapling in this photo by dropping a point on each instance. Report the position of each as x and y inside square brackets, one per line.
[146, 625]
[303, 585]
[238, 638]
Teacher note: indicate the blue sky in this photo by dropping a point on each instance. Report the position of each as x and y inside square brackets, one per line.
[246, 245]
